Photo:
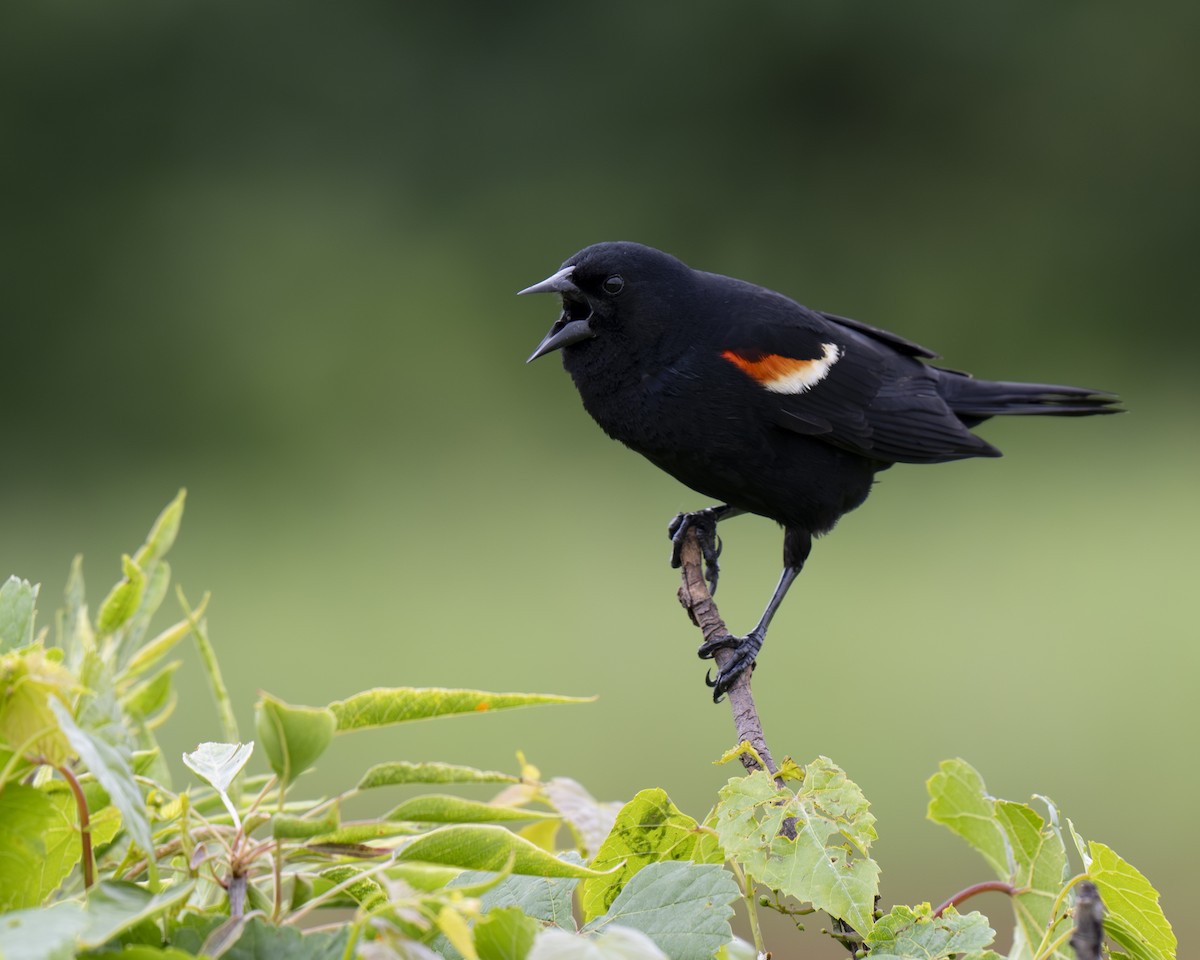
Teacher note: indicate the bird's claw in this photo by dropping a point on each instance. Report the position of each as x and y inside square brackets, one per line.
[704, 522]
[745, 649]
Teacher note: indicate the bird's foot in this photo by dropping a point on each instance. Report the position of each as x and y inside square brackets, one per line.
[704, 522]
[745, 649]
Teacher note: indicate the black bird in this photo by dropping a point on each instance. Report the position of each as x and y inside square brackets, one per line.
[762, 404]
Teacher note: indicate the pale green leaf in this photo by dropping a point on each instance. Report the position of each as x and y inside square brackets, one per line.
[916, 933]
[400, 772]
[152, 694]
[589, 819]
[288, 827]
[42, 933]
[110, 765]
[383, 706]
[683, 907]
[505, 934]
[114, 906]
[617, 943]
[1134, 918]
[485, 847]
[444, 808]
[18, 607]
[827, 863]
[218, 764]
[647, 829]
[292, 736]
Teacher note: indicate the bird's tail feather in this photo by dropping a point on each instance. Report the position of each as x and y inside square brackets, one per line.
[972, 399]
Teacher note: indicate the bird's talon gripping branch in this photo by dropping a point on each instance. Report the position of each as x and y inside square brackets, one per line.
[704, 522]
[708, 648]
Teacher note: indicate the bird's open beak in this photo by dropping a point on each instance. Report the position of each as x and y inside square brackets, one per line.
[565, 330]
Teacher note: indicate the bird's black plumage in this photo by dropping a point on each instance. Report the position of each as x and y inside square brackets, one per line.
[761, 403]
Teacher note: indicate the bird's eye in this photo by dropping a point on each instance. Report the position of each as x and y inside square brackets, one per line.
[614, 284]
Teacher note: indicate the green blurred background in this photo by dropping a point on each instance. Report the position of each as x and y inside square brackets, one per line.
[268, 251]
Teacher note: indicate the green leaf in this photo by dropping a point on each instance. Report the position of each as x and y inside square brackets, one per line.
[42, 934]
[547, 899]
[284, 827]
[110, 766]
[958, 800]
[162, 533]
[905, 933]
[683, 907]
[18, 607]
[399, 772]
[364, 890]
[151, 695]
[1014, 839]
[649, 828]
[1134, 917]
[505, 934]
[40, 843]
[31, 680]
[482, 847]
[827, 864]
[259, 940]
[123, 600]
[114, 906]
[292, 736]
[443, 808]
[383, 706]
[618, 943]
[153, 651]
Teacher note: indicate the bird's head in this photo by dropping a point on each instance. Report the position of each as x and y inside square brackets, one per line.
[605, 285]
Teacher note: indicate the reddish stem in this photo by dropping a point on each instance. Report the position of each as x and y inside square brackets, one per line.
[85, 824]
[968, 892]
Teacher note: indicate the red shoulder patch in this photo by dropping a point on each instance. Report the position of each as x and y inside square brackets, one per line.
[781, 374]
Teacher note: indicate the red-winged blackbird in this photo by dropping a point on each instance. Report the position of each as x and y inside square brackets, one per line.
[761, 403]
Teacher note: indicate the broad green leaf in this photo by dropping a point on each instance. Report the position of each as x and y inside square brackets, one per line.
[31, 680]
[122, 600]
[259, 940]
[364, 890]
[18, 603]
[40, 842]
[547, 899]
[505, 934]
[683, 907]
[399, 772]
[163, 532]
[958, 800]
[647, 829]
[484, 847]
[589, 819]
[1014, 839]
[1134, 917]
[292, 736]
[617, 943]
[444, 808]
[909, 933]
[42, 933]
[364, 832]
[827, 864]
[142, 951]
[114, 906]
[110, 766]
[383, 706]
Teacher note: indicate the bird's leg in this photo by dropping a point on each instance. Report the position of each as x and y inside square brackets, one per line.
[704, 522]
[796, 545]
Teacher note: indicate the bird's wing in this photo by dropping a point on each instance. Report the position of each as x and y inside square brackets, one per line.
[848, 384]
